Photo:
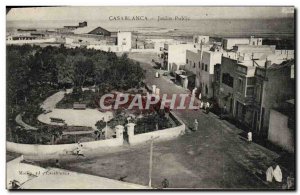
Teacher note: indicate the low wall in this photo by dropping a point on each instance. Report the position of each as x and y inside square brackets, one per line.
[50, 40]
[160, 135]
[33, 149]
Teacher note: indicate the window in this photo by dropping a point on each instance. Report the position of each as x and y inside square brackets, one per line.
[258, 92]
[206, 67]
[251, 81]
[202, 66]
[240, 84]
[250, 91]
[227, 79]
[187, 61]
[242, 69]
[199, 65]
[217, 75]
[206, 89]
[194, 64]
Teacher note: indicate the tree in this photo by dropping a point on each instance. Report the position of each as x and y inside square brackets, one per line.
[83, 70]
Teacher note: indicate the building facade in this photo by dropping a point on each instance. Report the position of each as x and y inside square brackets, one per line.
[175, 55]
[206, 72]
[250, 89]
[274, 85]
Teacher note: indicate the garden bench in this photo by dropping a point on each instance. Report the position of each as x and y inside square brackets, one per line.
[79, 106]
[57, 120]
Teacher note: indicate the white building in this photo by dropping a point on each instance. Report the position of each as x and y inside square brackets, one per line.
[177, 54]
[205, 76]
[123, 45]
[228, 43]
[160, 43]
[124, 41]
[193, 62]
[255, 41]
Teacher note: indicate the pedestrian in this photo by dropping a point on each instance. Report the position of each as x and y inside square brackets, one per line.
[199, 96]
[201, 104]
[269, 174]
[223, 112]
[207, 107]
[196, 125]
[224, 109]
[277, 174]
[79, 151]
[165, 183]
[57, 163]
[249, 136]
[194, 91]
[290, 182]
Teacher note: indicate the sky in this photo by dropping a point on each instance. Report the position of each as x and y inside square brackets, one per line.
[103, 13]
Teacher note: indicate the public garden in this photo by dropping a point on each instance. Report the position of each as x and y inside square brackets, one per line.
[52, 81]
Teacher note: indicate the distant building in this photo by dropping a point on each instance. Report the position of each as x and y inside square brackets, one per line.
[200, 39]
[123, 44]
[229, 43]
[255, 41]
[124, 40]
[175, 55]
[82, 24]
[70, 28]
[92, 30]
[255, 49]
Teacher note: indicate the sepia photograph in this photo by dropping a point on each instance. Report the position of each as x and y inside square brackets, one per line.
[150, 98]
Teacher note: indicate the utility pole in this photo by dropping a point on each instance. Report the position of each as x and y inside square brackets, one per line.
[150, 160]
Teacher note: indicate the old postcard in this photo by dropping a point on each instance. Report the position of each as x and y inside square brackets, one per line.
[150, 98]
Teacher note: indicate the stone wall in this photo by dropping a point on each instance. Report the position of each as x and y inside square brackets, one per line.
[160, 135]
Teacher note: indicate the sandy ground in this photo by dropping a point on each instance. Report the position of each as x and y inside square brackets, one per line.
[87, 117]
[52, 100]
